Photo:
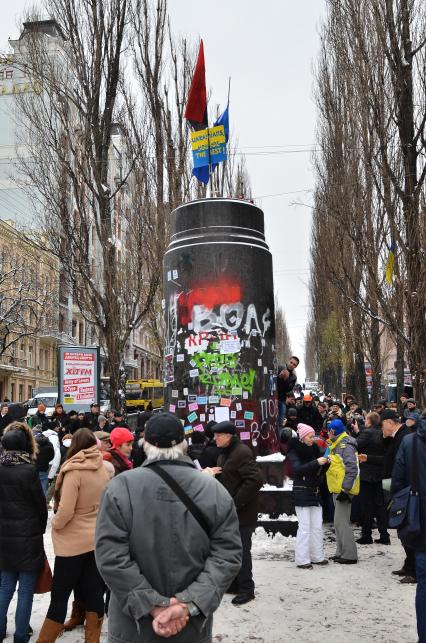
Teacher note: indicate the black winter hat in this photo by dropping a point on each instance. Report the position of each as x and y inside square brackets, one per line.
[225, 427]
[292, 413]
[390, 414]
[15, 440]
[208, 429]
[164, 430]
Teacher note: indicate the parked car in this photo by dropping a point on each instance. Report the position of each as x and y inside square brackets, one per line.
[49, 399]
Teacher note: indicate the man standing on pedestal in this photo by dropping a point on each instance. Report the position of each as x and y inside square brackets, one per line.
[286, 381]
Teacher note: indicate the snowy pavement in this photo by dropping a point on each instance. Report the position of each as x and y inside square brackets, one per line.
[330, 604]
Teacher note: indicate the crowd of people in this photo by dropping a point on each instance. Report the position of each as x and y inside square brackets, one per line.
[153, 528]
[64, 463]
[347, 464]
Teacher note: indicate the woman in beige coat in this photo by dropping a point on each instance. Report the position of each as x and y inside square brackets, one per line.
[78, 490]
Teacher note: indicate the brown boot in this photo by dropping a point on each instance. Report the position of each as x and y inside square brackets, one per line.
[78, 616]
[50, 631]
[93, 627]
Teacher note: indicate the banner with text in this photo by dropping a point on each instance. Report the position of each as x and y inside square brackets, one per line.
[78, 377]
[208, 146]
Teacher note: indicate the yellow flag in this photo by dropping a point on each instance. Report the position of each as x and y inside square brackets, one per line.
[390, 264]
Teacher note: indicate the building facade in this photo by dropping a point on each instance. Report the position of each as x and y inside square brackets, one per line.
[29, 313]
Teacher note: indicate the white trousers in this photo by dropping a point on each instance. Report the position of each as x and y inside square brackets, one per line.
[309, 540]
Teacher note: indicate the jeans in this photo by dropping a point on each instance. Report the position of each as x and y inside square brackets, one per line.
[282, 410]
[76, 571]
[421, 595]
[44, 480]
[27, 582]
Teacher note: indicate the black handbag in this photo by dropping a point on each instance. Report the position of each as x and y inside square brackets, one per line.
[404, 512]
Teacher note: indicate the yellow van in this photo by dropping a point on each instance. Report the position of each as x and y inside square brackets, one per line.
[139, 393]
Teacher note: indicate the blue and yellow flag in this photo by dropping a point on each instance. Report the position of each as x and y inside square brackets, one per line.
[390, 264]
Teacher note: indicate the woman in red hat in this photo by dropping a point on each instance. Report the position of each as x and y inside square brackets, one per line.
[119, 453]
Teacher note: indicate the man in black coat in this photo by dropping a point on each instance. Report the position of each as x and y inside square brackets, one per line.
[403, 477]
[211, 451]
[241, 476]
[393, 433]
[286, 381]
[91, 418]
[45, 455]
[372, 503]
[309, 414]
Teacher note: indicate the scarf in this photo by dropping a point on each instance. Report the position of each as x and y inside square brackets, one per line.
[121, 456]
[13, 458]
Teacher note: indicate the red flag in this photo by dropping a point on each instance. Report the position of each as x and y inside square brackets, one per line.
[196, 107]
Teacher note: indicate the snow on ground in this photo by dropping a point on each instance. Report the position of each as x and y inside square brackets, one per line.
[272, 457]
[330, 604]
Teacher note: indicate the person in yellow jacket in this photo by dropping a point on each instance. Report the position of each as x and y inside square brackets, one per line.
[343, 483]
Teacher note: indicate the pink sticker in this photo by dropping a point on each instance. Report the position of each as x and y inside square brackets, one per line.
[245, 435]
[193, 406]
[172, 408]
[200, 427]
[225, 402]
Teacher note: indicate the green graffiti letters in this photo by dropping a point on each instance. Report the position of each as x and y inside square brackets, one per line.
[214, 360]
[225, 383]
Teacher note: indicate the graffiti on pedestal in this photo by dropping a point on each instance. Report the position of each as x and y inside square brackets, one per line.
[219, 353]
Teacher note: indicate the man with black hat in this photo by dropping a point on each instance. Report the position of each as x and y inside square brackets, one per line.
[393, 433]
[241, 476]
[167, 543]
[91, 418]
[380, 407]
[117, 421]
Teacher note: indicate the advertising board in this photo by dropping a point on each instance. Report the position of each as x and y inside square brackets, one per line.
[78, 376]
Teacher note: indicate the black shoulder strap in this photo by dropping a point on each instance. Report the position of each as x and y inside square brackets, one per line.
[414, 467]
[183, 497]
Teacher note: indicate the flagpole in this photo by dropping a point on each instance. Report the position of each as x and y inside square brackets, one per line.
[210, 165]
[225, 163]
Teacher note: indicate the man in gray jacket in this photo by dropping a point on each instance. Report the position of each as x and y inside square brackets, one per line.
[167, 563]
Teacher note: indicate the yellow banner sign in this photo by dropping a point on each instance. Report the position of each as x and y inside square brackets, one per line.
[205, 138]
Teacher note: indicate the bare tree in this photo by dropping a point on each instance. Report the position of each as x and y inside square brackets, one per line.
[371, 173]
[89, 183]
[282, 338]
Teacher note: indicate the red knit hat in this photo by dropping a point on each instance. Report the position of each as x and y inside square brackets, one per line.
[120, 435]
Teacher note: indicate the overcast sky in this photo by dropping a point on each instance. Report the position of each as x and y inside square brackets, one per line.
[269, 50]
